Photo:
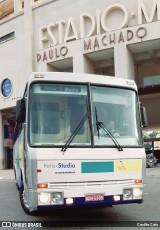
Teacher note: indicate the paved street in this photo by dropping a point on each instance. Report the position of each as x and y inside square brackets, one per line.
[148, 211]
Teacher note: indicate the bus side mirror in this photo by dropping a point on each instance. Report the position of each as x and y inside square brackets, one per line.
[20, 111]
[143, 116]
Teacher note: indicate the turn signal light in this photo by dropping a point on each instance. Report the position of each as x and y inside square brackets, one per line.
[138, 181]
[42, 185]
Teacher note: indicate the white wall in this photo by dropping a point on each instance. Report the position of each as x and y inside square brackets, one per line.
[12, 60]
[14, 54]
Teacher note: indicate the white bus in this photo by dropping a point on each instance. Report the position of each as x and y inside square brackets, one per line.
[65, 152]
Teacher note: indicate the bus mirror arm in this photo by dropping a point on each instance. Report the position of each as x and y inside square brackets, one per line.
[143, 115]
[20, 111]
[24, 141]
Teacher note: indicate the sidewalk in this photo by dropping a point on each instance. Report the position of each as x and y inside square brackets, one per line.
[7, 174]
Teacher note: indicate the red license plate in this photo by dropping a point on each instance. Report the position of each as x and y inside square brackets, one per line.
[94, 197]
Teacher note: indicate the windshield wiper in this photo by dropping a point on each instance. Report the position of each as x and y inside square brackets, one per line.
[107, 133]
[70, 139]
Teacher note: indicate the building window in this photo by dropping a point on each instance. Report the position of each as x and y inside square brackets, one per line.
[151, 80]
[33, 2]
[6, 88]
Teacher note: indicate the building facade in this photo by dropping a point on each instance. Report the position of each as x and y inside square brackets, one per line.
[119, 38]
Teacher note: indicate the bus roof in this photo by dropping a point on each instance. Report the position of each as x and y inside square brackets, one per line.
[81, 78]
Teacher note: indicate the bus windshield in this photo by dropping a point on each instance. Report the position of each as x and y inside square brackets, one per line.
[56, 110]
[117, 110]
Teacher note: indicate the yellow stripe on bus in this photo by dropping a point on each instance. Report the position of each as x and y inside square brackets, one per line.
[127, 166]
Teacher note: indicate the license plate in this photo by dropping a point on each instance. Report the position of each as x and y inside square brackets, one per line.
[94, 197]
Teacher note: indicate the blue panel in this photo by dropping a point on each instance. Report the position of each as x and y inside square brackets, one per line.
[97, 167]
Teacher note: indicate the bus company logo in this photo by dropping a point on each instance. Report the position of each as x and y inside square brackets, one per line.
[120, 167]
[6, 224]
[60, 165]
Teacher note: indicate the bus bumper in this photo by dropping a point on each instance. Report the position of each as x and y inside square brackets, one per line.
[80, 202]
[61, 199]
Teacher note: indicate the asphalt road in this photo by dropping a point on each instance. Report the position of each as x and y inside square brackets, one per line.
[149, 211]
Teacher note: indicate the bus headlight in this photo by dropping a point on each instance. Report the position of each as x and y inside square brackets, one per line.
[57, 198]
[137, 193]
[44, 198]
[127, 194]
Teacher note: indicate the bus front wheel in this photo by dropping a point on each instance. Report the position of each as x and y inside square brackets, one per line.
[24, 202]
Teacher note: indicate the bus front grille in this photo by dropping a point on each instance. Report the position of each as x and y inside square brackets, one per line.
[90, 184]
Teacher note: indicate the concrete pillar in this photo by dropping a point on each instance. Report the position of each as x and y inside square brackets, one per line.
[81, 63]
[124, 62]
[16, 6]
[1, 143]
[28, 28]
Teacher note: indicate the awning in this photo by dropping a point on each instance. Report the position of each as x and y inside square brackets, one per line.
[151, 128]
[152, 135]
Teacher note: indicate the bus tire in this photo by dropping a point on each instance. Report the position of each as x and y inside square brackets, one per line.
[16, 179]
[24, 203]
[17, 186]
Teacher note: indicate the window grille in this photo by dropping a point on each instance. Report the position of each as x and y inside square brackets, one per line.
[7, 37]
